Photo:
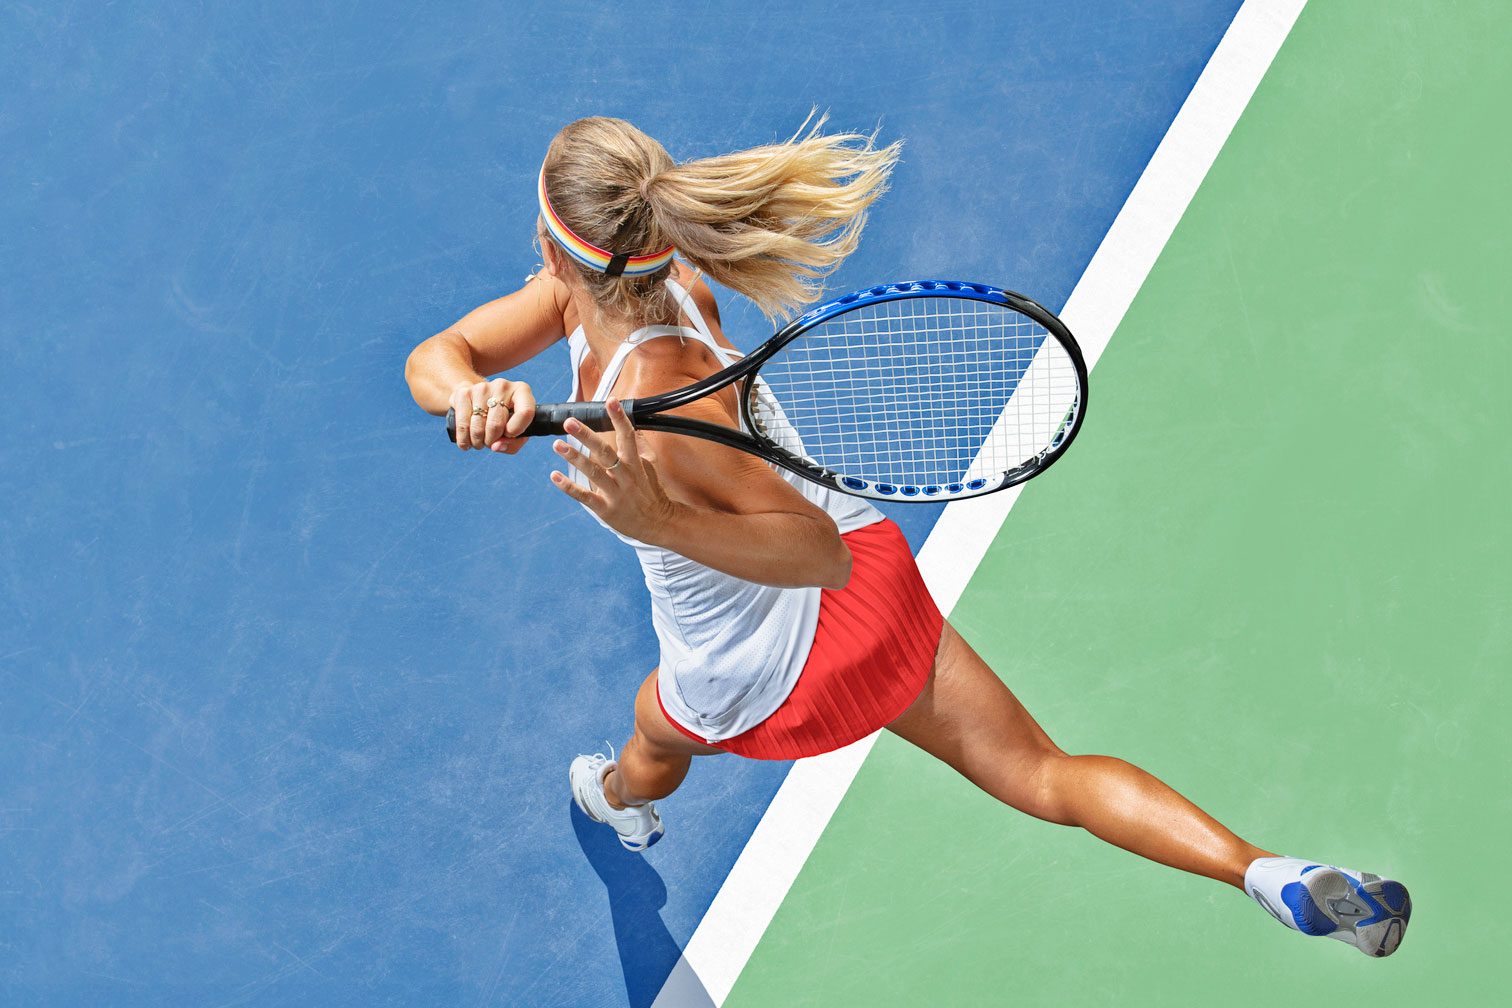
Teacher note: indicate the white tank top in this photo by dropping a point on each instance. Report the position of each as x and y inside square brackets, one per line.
[731, 650]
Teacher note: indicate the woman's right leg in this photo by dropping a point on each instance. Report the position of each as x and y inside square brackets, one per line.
[657, 757]
[968, 718]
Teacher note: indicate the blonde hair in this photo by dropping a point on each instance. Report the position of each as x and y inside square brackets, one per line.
[770, 222]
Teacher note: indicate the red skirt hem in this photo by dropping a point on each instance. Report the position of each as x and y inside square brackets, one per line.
[872, 654]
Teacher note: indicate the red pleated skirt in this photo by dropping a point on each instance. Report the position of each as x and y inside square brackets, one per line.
[872, 654]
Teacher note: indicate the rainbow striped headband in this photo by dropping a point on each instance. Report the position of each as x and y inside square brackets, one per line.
[591, 255]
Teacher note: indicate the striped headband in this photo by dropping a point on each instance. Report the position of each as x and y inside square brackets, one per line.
[591, 255]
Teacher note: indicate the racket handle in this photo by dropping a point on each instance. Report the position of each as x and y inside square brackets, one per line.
[549, 418]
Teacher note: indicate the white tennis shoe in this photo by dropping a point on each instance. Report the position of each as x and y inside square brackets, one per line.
[1364, 910]
[638, 826]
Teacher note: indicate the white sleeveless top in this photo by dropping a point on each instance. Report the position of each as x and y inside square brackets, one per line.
[731, 650]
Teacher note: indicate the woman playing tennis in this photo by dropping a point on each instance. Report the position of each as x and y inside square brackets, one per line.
[791, 618]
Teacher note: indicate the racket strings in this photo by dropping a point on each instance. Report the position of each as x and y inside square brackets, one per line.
[919, 392]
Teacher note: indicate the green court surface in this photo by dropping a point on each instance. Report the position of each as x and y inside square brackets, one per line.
[1275, 571]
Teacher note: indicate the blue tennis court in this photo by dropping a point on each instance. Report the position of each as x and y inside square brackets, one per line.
[289, 686]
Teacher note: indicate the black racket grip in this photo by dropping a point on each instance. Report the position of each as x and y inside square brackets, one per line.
[549, 418]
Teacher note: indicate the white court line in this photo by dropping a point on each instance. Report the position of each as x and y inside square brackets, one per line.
[787, 833]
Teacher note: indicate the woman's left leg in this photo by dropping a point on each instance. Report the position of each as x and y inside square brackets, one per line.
[967, 717]
[656, 759]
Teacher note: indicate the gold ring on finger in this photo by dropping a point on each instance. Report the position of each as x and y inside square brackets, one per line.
[496, 401]
[479, 411]
[615, 466]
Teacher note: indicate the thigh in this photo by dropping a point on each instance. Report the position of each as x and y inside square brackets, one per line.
[654, 730]
[968, 718]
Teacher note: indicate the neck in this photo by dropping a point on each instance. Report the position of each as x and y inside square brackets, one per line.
[604, 333]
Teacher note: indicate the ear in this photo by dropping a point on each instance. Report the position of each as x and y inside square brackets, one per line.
[551, 258]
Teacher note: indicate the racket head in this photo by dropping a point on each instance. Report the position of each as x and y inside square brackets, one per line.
[921, 391]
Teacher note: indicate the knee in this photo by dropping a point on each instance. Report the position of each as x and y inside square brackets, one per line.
[1030, 779]
[1051, 787]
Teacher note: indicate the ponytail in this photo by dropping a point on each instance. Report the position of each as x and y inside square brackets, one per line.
[773, 221]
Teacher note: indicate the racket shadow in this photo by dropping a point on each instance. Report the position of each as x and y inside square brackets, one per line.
[647, 950]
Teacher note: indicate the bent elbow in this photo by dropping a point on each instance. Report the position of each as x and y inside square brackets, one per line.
[840, 569]
[416, 368]
[419, 361]
[412, 368]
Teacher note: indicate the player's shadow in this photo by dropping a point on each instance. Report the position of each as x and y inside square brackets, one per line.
[647, 950]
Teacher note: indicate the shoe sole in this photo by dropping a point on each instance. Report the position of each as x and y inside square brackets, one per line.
[1371, 914]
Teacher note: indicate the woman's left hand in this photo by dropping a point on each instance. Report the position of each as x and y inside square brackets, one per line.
[624, 489]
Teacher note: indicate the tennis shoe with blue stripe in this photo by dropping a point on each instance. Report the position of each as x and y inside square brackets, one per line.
[1365, 910]
[638, 826]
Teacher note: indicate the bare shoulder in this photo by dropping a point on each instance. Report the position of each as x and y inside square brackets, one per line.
[712, 475]
[554, 292]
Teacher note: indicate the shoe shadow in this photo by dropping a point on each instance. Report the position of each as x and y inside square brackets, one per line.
[647, 950]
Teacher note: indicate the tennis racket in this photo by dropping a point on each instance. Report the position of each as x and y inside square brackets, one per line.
[928, 390]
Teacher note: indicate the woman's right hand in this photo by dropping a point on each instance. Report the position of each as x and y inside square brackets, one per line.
[493, 414]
